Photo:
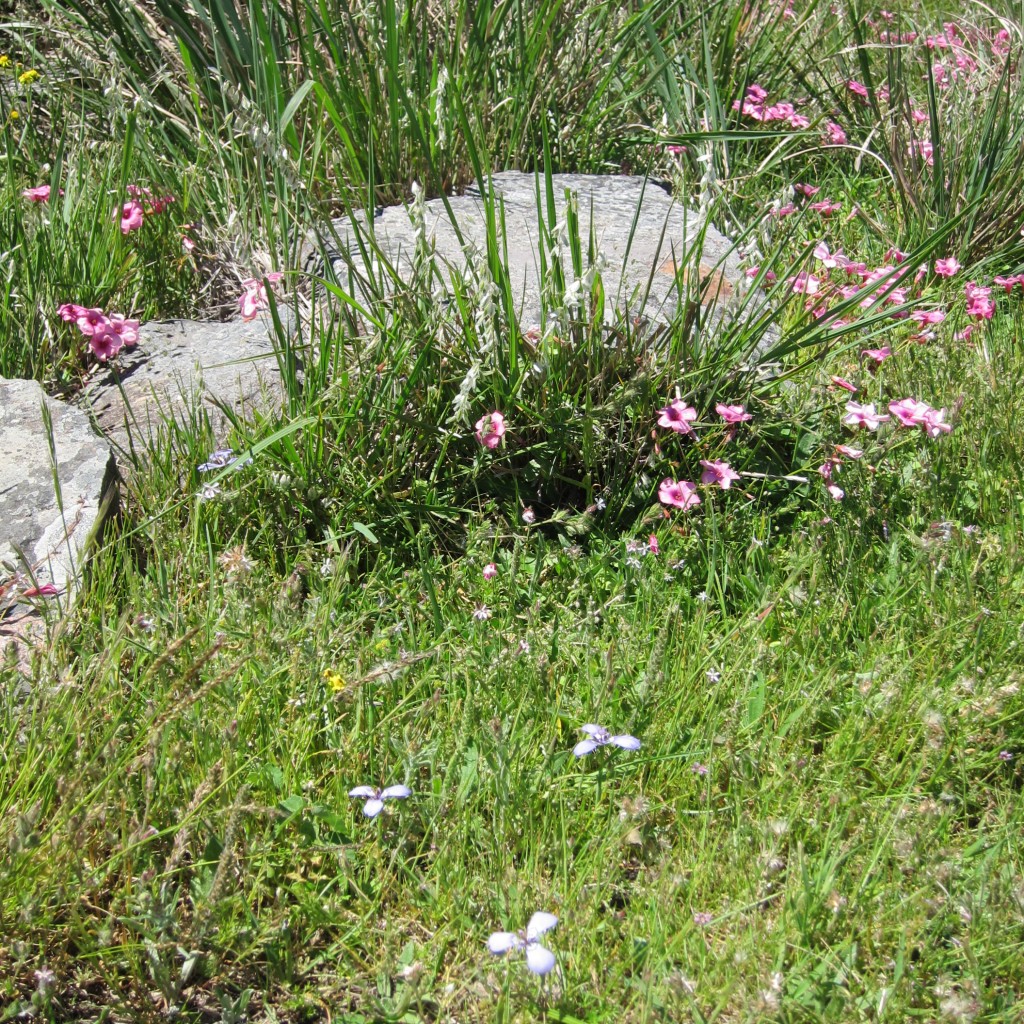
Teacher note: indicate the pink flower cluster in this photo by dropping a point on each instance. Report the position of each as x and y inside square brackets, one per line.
[909, 412]
[755, 107]
[107, 335]
[143, 203]
[678, 416]
[831, 466]
[980, 303]
[254, 295]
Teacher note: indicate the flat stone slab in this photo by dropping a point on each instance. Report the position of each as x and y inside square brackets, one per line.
[179, 364]
[51, 536]
[647, 243]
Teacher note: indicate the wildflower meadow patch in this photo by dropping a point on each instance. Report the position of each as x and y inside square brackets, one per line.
[567, 457]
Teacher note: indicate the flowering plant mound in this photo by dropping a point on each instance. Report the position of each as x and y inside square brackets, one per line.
[106, 335]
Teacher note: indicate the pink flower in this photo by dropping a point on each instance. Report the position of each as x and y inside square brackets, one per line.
[835, 134]
[70, 311]
[251, 301]
[718, 472]
[850, 453]
[927, 316]
[490, 429]
[826, 207]
[90, 320]
[836, 492]
[979, 303]
[680, 493]
[254, 295]
[804, 283]
[46, 590]
[131, 215]
[909, 411]
[490, 571]
[877, 355]
[783, 211]
[829, 259]
[39, 194]
[843, 383]
[857, 89]
[127, 330]
[652, 545]
[678, 416]
[733, 413]
[947, 268]
[858, 415]
[934, 424]
[105, 343]
[922, 148]
[1007, 282]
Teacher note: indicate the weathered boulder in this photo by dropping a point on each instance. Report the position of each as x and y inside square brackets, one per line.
[51, 502]
[652, 250]
[178, 365]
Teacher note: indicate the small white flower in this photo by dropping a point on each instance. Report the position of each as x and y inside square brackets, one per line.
[481, 613]
[375, 797]
[538, 959]
[713, 675]
[599, 737]
[209, 492]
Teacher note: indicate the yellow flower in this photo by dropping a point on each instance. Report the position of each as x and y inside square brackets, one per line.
[334, 680]
[13, 116]
[28, 77]
[5, 61]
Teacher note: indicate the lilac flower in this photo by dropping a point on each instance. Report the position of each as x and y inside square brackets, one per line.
[699, 769]
[1005, 755]
[219, 459]
[375, 797]
[600, 737]
[702, 917]
[538, 959]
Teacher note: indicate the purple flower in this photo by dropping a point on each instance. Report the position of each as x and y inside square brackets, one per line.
[599, 737]
[375, 797]
[538, 959]
[1005, 755]
[219, 459]
[702, 917]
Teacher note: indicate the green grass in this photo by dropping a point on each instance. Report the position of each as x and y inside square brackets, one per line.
[823, 822]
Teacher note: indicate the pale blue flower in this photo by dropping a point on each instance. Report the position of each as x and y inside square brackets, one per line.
[600, 737]
[375, 797]
[218, 460]
[538, 959]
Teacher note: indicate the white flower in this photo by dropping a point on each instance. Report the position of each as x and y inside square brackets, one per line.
[375, 797]
[538, 959]
[599, 737]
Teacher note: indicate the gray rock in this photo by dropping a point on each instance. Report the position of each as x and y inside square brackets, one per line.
[654, 250]
[178, 365]
[50, 532]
